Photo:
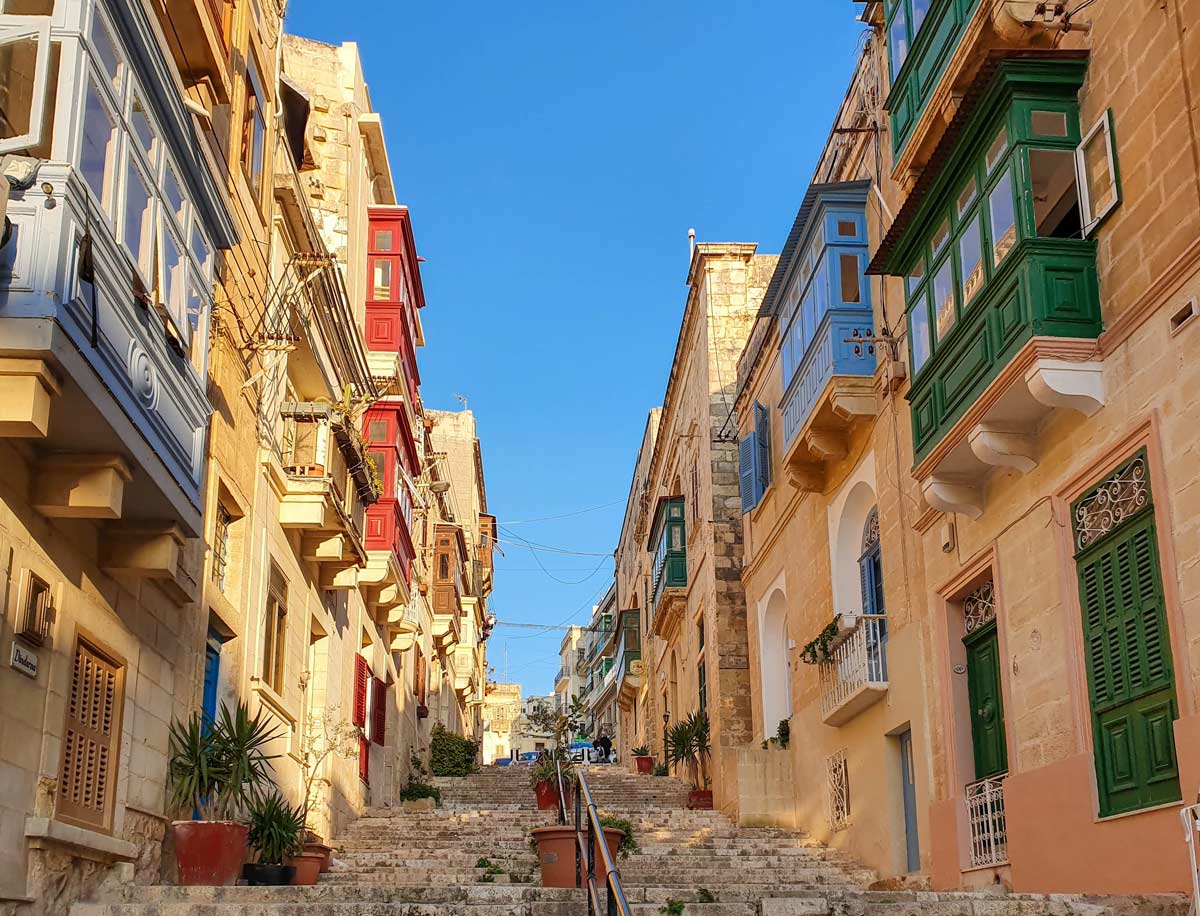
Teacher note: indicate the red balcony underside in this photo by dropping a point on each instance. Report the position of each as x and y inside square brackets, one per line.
[386, 531]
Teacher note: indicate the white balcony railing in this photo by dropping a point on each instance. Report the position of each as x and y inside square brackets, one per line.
[856, 674]
[985, 818]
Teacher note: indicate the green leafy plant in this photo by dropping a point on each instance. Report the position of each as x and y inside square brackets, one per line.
[487, 878]
[661, 769]
[276, 830]
[672, 907]
[325, 735]
[688, 744]
[629, 844]
[784, 732]
[483, 863]
[641, 750]
[704, 895]
[562, 725]
[451, 754]
[219, 767]
[817, 651]
[546, 769]
[418, 790]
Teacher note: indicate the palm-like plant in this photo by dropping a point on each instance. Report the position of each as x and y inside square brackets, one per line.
[218, 768]
[276, 829]
[688, 744]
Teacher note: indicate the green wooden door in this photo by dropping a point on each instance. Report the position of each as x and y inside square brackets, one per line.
[987, 703]
[1130, 675]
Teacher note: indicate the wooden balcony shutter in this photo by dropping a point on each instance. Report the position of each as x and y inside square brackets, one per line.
[362, 674]
[364, 760]
[378, 710]
[91, 740]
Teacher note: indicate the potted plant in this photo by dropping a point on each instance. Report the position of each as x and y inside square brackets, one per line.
[645, 763]
[215, 770]
[661, 769]
[556, 850]
[688, 744]
[324, 735]
[277, 837]
[543, 777]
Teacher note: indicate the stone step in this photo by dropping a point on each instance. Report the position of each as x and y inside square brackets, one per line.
[335, 908]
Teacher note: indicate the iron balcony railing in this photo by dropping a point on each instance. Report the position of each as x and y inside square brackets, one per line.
[985, 818]
[563, 673]
[590, 846]
[858, 661]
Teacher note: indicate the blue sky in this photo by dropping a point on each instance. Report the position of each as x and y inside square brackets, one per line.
[554, 156]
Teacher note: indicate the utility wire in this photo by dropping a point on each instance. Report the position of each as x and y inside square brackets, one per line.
[556, 550]
[546, 518]
[538, 560]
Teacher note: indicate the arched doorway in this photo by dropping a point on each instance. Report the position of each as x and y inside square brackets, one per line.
[774, 669]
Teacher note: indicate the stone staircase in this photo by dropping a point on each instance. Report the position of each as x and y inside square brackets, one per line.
[471, 857]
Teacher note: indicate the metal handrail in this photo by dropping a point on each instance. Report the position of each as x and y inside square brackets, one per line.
[585, 849]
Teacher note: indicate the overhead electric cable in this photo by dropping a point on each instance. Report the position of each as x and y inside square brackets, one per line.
[547, 518]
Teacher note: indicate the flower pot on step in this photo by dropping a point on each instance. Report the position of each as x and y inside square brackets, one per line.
[700, 799]
[324, 850]
[259, 875]
[209, 853]
[556, 854]
[645, 765]
[307, 866]
[547, 795]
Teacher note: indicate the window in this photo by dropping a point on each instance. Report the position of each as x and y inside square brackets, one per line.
[98, 154]
[221, 546]
[24, 72]
[849, 272]
[1096, 163]
[943, 299]
[138, 232]
[837, 778]
[91, 739]
[275, 633]
[919, 336]
[36, 613]
[1004, 218]
[382, 240]
[377, 431]
[898, 38]
[381, 283]
[1048, 123]
[702, 686]
[378, 710]
[970, 257]
[106, 53]
[1131, 682]
[254, 130]
[1055, 193]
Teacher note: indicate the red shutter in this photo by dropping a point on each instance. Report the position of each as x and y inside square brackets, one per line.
[362, 674]
[364, 760]
[378, 711]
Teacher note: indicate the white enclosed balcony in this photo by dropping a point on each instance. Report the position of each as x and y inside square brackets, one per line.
[855, 676]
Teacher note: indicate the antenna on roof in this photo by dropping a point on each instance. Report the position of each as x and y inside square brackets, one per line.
[691, 244]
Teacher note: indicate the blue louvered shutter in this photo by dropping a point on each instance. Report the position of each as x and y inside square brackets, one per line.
[762, 433]
[746, 452]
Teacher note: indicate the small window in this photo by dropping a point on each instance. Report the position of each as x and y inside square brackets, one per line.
[201, 252]
[98, 151]
[24, 72]
[138, 234]
[920, 8]
[851, 287]
[914, 278]
[847, 228]
[443, 567]
[1055, 194]
[171, 288]
[36, 619]
[1003, 217]
[940, 236]
[996, 151]
[943, 299]
[1096, 162]
[1048, 123]
[275, 633]
[919, 328]
[970, 254]
[254, 130]
[383, 240]
[967, 196]
[377, 431]
[382, 280]
[142, 128]
[221, 546]
[173, 194]
[898, 39]
[106, 53]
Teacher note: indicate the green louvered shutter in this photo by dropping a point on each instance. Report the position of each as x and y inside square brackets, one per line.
[1130, 675]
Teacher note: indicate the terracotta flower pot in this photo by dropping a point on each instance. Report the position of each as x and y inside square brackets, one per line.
[645, 765]
[324, 850]
[700, 798]
[556, 854]
[307, 866]
[547, 795]
[209, 853]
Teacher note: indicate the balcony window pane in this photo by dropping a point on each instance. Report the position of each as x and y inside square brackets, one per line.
[142, 128]
[1003, 215]
[810, 323]
[898, 39]
[966, 197]
[943, 299]
[383, 240]
[139, 219]
[821, 290]
[1055, 199]
[382, 283]
[970, 254]
[919, 325]
[1049, 123]
[195, 308]
[18, 78]
[173, 194]
[201, 252]
[851, 289]
[940, 236]
[1099, 172]
[996, 150]
[106, 52]
[98, 153]
[172, 281]
[914, 278]
[920, 8]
